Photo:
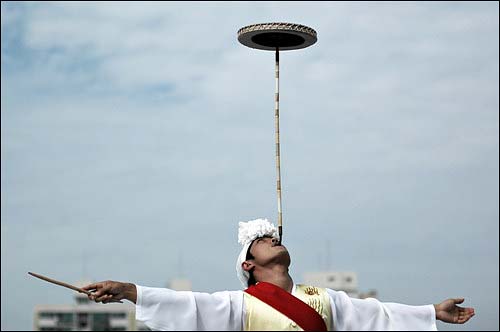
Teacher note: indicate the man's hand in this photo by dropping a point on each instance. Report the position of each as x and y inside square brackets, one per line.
[111, 291]
[448, 311]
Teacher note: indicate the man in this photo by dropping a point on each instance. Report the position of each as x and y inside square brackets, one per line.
[272, 301]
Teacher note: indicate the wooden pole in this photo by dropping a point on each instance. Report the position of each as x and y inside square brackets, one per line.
[60, 283]
[277, 131]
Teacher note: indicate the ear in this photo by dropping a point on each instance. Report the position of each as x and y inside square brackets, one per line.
[247, 265]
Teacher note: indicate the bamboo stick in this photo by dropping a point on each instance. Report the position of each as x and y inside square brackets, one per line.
[60, 283]
[277, 131]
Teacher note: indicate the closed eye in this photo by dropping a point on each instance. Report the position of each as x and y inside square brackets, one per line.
[263, 238]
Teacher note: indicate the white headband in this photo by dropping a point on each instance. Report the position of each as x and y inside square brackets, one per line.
[247, 232]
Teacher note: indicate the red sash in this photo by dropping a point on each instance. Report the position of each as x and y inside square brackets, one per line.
[301, 313]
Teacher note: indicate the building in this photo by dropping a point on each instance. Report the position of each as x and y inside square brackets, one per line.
[86, 315]
[338, 280]
[179, 284]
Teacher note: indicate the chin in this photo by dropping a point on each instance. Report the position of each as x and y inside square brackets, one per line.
[285, 257]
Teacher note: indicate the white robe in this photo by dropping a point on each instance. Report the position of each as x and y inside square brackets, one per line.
[167, 310]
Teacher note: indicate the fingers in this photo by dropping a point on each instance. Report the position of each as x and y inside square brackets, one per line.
[458, 300]
[100, 291]
[92, 286]
[106, 298]
[100, 294]
[105, 291]
[467, 311]
[465, 314]
[103, 297]
[464, 318]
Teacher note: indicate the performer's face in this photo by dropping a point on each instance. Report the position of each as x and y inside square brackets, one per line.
[266, 250]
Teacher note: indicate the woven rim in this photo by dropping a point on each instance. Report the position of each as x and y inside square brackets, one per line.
[252, 35]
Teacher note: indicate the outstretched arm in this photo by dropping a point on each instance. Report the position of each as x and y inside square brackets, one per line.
[448, 311]
[372, 315]
[165, 309]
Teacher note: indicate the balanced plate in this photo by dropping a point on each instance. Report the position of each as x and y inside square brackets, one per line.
[284, 36]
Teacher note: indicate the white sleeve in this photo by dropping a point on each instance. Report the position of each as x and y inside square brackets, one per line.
[166, 309]
[371, 314]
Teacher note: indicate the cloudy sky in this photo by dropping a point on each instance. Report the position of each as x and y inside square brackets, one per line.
[135, 137]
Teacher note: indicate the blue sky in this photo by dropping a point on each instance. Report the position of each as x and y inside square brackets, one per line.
[135, 137]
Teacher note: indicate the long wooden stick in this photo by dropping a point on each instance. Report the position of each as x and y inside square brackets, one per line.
[60, 283]
[277, 131]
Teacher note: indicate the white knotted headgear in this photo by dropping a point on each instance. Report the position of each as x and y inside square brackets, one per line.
[247, 232]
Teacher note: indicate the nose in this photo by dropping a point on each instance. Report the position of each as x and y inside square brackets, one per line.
[275, 240]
